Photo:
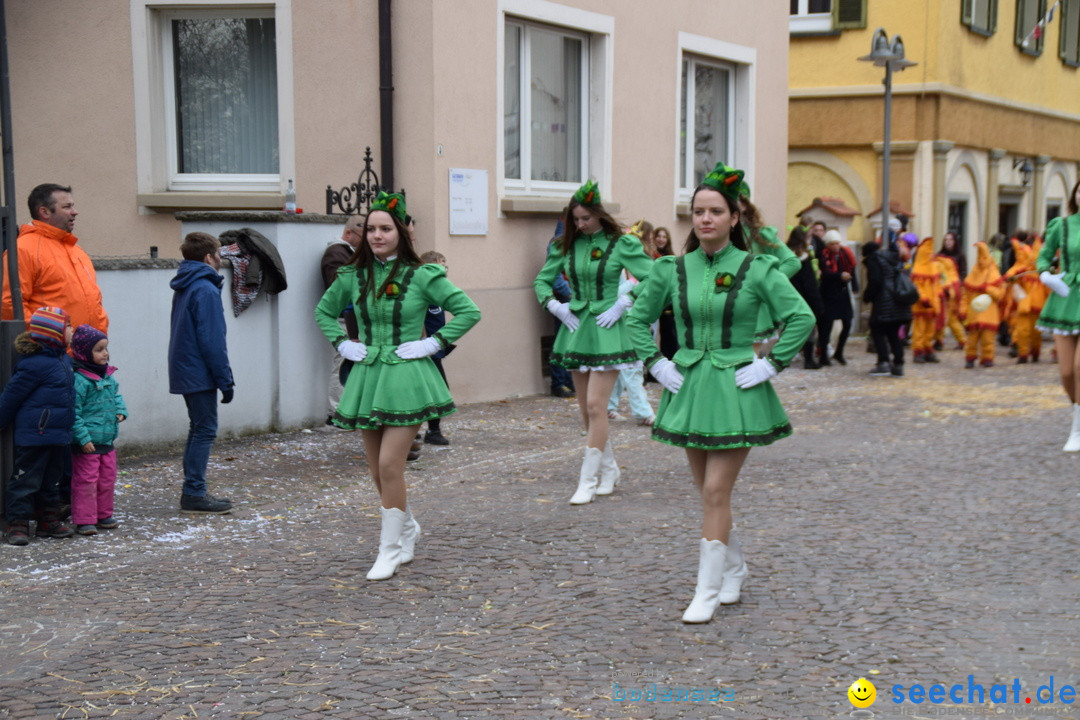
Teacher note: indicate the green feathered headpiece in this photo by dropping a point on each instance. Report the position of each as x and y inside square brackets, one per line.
[588, 194]
[727, 181]
[393, 203]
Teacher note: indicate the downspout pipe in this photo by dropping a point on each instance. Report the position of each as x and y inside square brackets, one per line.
[7, 213]
[386, 97]
[9, 329]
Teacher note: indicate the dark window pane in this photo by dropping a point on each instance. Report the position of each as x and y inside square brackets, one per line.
[226, 95]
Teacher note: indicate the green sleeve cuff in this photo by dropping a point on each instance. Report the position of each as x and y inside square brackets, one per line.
[775, 363]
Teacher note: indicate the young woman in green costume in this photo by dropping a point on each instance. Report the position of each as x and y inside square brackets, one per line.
[592, 342]
[1061, 313]
[718, 402]
[762, 239]
[393, 386]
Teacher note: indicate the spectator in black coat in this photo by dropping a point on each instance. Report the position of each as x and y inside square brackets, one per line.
[806, 284]
[886, 316]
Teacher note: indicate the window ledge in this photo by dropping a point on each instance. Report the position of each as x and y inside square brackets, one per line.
[541, 206]
[173, 201]
[815, 33]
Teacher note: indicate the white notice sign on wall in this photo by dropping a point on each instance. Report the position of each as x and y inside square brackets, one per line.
[468, 202]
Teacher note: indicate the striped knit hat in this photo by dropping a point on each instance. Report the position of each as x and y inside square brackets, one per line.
[47, 326]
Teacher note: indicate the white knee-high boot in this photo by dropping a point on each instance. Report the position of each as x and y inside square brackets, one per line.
[393, 521]
[410, 533]
[609, 471]
[586, 488]
[735, 572]
[1073, 443]
[710, 576]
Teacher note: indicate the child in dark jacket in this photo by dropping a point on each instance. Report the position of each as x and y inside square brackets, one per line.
[433, 322]
[40, 401]
[199, 363]
[99, 409]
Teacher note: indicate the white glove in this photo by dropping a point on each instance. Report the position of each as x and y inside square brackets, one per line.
[352, 350]
[562, 311]
[755, 373]
[418, 348]
[667, 374]
[611, 316]
[1055, 283]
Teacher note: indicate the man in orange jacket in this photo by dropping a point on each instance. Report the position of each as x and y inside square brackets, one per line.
[53, 270]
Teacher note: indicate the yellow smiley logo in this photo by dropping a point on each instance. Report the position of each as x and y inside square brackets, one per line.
[862, 693]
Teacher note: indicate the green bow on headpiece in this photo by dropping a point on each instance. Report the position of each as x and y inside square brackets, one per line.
[393, 203]
[727, 181]
[588, 194]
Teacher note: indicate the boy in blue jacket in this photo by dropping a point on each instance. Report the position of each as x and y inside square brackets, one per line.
[199, 363]
[40, 401]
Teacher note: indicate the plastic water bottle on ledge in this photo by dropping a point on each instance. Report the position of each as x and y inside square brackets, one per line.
[290, 198]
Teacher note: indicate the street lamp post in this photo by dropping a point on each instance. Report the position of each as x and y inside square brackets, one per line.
[889, 55]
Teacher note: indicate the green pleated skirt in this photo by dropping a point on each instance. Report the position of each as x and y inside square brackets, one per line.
[405, 393]
[1061, 315]
[710, 413]
[592, 347]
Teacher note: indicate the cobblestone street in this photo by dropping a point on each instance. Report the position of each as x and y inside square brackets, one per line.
[913, 531]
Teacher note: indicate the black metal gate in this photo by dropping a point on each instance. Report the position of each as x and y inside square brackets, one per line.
[357, 197]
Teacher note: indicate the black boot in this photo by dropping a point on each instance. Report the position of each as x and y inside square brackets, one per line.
[434, 435]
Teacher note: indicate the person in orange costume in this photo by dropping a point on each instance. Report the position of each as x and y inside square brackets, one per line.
[53, 270]
[926, 274]
[984, 278]
[1029, 295]
[950, 303]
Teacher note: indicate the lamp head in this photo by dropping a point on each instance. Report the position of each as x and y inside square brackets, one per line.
[1026, 169]
[880, 49]
[886, 53]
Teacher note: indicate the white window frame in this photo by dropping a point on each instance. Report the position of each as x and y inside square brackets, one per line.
[742, 60]
[526, 182]
[155, 99]
[804, 21]
[688, 103]
[597, 67]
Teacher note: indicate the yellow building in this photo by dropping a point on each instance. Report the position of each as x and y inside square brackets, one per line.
[985, 128]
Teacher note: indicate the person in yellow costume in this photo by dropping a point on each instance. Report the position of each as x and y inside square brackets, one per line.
[926, 274]
[950, 303]
[982, 322]
[1029, 295]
